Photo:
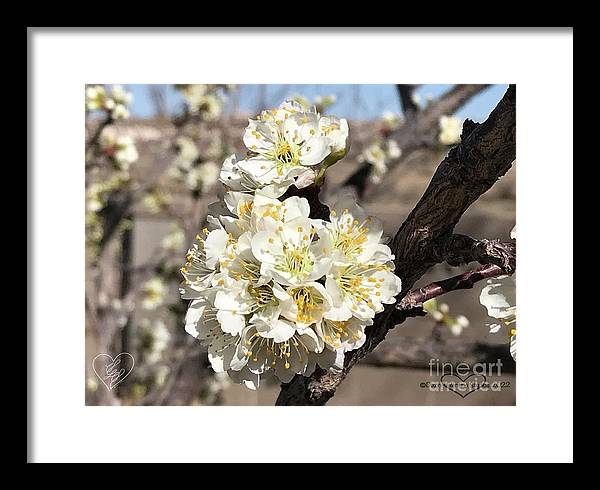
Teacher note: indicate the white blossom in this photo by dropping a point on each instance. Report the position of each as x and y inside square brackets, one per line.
[289, 141]
[160, 337]
[459, 324]
[391, 120]
[236, 179]
[121, 150]
[292, 252]
[379, 156]
[393, 150]
[441, 314]
[498, 296]
[203, 261]
[154, 293]
[416, 99]
[187, 153]
[450, 130]
[204, 100]
[95, 97]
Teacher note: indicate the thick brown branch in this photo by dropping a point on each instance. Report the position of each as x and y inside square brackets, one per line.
[485, 154]
[417, 353]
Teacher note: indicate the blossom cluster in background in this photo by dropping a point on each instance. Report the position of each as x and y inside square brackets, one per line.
[204, 100]
[440, 312]
[384, 149]
[118, 151]
[274, 291]
[115, 102]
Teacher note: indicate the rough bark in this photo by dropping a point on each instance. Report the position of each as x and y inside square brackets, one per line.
[485, 153]
[461, 249]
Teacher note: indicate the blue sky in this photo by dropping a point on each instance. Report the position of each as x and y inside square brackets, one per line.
[353, 101]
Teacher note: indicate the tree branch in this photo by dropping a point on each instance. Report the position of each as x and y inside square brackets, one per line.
[485, 153]
[469, 170]
[461, 249]
[427, 124]
[415, 299]
[421, 128]
[409, 107]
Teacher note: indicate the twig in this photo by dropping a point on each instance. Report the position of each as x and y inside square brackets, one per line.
[413, 301]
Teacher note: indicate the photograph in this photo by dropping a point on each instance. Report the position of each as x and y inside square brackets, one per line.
[243, 236]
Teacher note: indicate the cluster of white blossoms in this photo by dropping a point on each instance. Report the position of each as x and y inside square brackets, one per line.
[274, 291]
[379, 156]
[441, 314]
[175, 240]
[154, 293]
[391, 121]
[203, 100]
[119, 149]
[114, 103]
[155, 339]
[450, 130]
[186, 167]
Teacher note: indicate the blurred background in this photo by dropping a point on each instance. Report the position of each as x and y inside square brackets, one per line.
[153, 154]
